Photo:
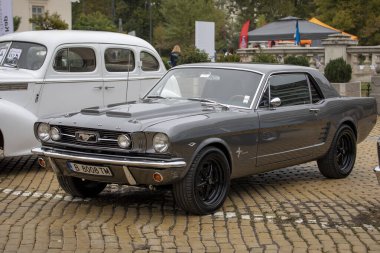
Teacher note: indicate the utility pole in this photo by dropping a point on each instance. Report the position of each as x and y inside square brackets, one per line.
[150, 21]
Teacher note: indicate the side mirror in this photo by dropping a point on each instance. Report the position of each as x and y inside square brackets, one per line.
[275, 102]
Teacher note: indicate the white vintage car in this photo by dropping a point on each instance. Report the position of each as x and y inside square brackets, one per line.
[43, 73]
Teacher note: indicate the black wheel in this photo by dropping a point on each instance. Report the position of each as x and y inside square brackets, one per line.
[205, 186]
[78, 187]
[340, 159]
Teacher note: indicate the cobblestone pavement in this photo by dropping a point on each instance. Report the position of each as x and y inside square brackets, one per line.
[289, 210]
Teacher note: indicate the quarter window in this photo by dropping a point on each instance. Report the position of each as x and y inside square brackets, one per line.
[149, 62]
[315, 94]
[75, 59]
[292, 89]
[119, 60]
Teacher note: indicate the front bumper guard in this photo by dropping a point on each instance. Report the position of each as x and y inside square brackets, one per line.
[377, 172]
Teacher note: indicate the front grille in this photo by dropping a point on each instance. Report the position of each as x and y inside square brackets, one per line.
[106, 138]
[109, 152]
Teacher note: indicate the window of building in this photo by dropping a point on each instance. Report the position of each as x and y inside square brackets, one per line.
[119, 60]
[36, 12]
[149, 62]
[75, 59]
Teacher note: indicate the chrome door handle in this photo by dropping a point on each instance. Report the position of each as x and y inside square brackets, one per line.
[315, 110]
[109, 87]
[98, 87]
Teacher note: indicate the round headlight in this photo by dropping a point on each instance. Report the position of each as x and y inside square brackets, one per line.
[160, 142]
[55, 134]
[124, 141]
[43, 131]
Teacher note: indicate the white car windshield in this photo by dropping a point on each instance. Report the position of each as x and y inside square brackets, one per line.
[24, 55]
[224, 86]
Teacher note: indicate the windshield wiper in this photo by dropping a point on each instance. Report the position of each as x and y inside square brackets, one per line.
[156, 96]
[210, 101]
[11, 65]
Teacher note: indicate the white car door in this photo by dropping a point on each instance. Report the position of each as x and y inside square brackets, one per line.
[120, 72]
[73, 80]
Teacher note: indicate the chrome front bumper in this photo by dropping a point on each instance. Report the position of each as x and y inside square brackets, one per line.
[91, 159]
[125, 170]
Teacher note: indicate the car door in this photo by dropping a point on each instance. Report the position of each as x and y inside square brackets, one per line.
[292, 129]
[73, 80]
[121, 75]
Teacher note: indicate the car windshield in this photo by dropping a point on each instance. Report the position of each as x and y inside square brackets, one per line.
[23, 55]
[225, 86]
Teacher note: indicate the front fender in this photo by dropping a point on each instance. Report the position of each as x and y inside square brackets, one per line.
[16, 126]
[219, 143]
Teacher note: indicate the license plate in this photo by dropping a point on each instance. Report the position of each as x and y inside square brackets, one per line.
[90, 169]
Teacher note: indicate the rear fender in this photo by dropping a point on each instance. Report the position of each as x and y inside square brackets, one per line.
[16, 128]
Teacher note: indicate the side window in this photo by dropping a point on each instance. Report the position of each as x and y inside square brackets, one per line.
[149, 62]
[315, 93]
[75, 59]
[292, 89]
[119, 60]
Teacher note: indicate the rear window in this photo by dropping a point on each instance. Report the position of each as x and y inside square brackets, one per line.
[75, 59]
[149, 62]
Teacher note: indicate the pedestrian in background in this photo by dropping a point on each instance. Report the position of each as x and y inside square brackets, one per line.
[175, 55]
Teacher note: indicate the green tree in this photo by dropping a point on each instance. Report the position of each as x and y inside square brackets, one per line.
[95, 21]
[16, 22]
[180, 17]
[49, 22]
[136, 15]
[357, 17]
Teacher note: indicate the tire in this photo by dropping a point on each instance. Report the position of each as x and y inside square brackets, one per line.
[340, 159]
[206, 184]
[78, 187]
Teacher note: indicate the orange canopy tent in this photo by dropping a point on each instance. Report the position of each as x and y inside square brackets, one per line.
[318, 22]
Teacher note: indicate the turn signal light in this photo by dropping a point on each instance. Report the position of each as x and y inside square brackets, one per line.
[157, 177]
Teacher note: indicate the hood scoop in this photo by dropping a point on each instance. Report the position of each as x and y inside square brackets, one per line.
[154, 110]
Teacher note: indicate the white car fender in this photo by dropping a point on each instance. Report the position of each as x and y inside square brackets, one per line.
[16, 127]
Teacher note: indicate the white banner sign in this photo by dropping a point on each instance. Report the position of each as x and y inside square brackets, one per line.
[205, 37]
[6, 17]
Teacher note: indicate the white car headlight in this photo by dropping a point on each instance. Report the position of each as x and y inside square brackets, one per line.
[160, 142]
[43, 131]
[124, 141]
[55, 134]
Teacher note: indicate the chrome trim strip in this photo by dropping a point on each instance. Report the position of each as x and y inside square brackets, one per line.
[98, 80]
[131, 180]
[297, 149]
[82, 158]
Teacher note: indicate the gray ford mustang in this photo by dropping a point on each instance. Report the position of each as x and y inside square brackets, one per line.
[204, 124]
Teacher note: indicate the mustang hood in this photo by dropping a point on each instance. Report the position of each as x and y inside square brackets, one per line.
[136, 117]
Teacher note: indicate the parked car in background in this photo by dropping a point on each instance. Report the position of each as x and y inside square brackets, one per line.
[49, 72]
[204, 124]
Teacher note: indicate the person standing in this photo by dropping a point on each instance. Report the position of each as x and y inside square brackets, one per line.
[175, 55]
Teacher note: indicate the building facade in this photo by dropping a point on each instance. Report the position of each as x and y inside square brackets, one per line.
[27, 9]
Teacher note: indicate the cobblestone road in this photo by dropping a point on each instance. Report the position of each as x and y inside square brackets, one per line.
[289, 210]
